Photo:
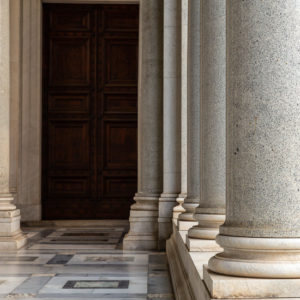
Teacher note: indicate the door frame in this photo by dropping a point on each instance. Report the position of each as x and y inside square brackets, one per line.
[30, 101]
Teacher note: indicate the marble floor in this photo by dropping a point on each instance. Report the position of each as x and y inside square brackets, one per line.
[82, 263]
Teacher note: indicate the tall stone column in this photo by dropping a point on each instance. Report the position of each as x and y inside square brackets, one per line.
[186, 219]
[261, 234]
[211, 211]
[11, 236]
[171, 123]
[183, 95]
[143, 232]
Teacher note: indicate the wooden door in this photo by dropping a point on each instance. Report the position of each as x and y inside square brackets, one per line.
[89, 168]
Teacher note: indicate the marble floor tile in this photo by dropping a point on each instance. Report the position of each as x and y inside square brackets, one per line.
[74, 285]
[8, 284]
[71, 246]
[28, 259]
[126, 259]
[30, 286]
[60, 259]
[82, 263]
[59, 241]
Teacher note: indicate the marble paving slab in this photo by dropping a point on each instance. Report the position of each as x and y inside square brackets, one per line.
[8, 284]
[25, 259]
[56, 285]
[72, 246]
[137, 259]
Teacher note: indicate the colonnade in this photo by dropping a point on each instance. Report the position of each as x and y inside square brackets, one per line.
[220, 128]
[243, 120]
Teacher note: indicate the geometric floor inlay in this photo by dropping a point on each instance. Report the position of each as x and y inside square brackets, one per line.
[82, 263]
[96, 284]
[109, 259]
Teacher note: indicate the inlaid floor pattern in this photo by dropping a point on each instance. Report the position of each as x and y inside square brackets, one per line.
[82, 263]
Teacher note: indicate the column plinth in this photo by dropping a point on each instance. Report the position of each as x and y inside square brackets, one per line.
[143, 228]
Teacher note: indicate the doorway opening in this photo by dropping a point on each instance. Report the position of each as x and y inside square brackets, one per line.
[89, 123]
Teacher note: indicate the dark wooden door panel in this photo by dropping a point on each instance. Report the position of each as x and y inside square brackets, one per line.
[69, 61]
[120, 145]
[69, 144]
[90, 55]
[121, 61]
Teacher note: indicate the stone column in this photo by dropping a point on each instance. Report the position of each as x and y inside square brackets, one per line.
[143, 232]
[11, 237]
[261, 234]
[183, 94]
[186, 220]
[211, 212]
[171, 123]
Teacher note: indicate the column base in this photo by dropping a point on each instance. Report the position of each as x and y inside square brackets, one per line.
[257, 257]
[143, 224]
[14, 242]
[11, 237]
[222, 286]
[179, 208]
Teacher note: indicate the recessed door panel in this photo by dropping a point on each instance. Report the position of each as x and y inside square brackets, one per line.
[121, 61]
[69, 61]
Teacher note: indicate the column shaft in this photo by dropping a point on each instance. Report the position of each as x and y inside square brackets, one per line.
[11, 236]
[261, 234]
[211, 211]
[144, 213]
[186, 219]
[171, 127]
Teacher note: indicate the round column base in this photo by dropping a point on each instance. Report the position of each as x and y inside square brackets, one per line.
[257, 257]
[208, 226]
[189, 205]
